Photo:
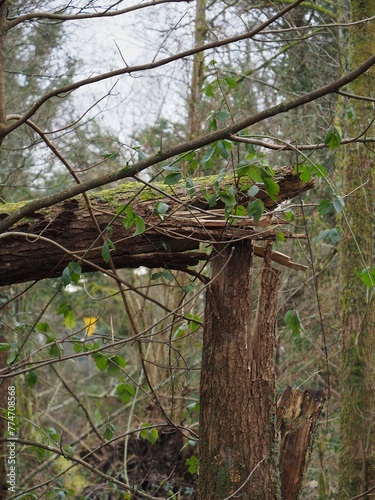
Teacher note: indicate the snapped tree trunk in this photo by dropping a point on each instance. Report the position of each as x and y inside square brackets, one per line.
[357, 454]
[238, 443]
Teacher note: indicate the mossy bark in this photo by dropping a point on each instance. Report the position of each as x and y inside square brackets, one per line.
[357, 456]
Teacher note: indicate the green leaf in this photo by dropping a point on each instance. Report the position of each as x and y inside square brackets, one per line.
[230, 82]
[367, 275]
[324, 207]
[193, 463]
[75, 268]
[190, 186]
[112, 368]
[255, 173]
[212, 200]
[289, 215]
[293, 322]
[54, 351]
[304, 173]
[223, 150]
[167, 275]
[69, 319]
[194, 325]
[100, 361]
[66, 278]
[255, 210]
[129, 216]
[338, 203]
[334, 235]
[322, 235]
[251, 149]
[119, 361]
[31, 378]
[43, 327]
[172, 178]
[209, 153]
[140, 226]
[141, 155]
[105, 252]
[209, 90]
[12, 356]
[253, 191]
[272, 188]
[228, 199]
[161, 208]
[151, 435]
[108, 434]
[125, 392]
[222, 115]
[243, 168]
[4, 346]
[333, 138]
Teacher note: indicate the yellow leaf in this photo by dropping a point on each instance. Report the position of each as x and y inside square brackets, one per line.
[90, 324]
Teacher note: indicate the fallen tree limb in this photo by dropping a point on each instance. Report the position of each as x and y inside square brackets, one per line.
[43, 244]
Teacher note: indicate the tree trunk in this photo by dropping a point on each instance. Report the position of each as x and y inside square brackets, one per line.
[195, 118]
[357, 457]
[238, 396]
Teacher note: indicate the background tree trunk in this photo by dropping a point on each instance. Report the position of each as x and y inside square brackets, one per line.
[357, 471]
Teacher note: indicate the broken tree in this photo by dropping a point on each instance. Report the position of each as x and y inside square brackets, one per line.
[238, 420]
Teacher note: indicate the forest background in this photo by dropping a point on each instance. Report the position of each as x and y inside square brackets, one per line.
[134, 139]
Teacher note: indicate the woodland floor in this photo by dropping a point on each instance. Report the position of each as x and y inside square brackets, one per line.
[159, 469]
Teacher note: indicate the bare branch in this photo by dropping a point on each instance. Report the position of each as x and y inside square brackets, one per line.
[73, 17]
[225, 133]
[4, 131]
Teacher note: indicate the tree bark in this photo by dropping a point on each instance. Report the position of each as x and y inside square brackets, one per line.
[297, 415]
[238, 396]
[357, 455]
[66, 231]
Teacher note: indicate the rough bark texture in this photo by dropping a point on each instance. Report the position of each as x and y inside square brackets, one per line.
[357, 456]
[297, 415]
[238, 404]
[187, 223]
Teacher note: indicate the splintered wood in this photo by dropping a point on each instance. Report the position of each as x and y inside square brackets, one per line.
[65, 232]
